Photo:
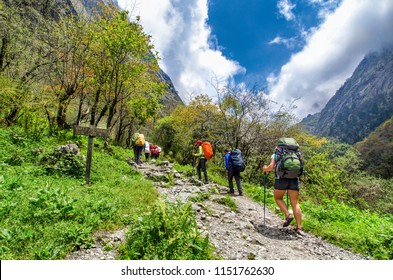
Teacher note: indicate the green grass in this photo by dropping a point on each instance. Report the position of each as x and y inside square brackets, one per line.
[228, 201]
[48, 214]
[363, 232]
[367, 233]
[47, 210]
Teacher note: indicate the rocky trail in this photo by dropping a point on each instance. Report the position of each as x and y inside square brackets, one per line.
[237, 235]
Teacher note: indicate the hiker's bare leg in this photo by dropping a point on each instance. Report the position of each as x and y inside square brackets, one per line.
[297, 212]
[278, 197]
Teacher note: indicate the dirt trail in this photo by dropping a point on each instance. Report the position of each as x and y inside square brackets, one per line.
[240, 234]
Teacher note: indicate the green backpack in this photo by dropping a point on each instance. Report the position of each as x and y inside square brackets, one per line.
[289, 163]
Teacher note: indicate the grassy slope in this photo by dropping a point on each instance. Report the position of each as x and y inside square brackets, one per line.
[46, 216]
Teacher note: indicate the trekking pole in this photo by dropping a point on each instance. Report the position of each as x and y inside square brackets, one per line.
[264, 198]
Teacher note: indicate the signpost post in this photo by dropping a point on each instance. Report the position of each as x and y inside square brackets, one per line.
[92, 132]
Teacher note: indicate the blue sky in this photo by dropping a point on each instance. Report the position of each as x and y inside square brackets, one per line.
[301, 51]
[246, 30]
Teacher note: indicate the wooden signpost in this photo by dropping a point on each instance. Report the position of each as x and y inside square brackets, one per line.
[92, 132]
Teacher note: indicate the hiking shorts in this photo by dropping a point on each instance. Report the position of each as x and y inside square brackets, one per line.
[287, 184]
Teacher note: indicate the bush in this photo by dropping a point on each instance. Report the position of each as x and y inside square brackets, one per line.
[371, 193]
[64, 163]
[168, 232]
[322, 180]
[51, 205]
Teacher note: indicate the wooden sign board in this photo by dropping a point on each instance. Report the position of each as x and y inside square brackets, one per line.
[91, 131]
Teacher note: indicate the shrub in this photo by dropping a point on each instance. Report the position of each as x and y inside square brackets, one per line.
[168, 232]
[51, 204]
[61, 163]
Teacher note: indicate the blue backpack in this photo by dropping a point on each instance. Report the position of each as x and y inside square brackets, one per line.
[237, 160]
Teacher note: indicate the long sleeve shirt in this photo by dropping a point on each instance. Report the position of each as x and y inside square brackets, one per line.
[200, 153]
[227, 161]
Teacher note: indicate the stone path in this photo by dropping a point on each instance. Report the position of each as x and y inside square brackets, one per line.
[236, 235]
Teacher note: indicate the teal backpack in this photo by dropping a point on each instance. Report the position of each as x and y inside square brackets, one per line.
[289, 163]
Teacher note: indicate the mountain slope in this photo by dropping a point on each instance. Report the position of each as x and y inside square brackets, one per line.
[376, 150]
[363, 103]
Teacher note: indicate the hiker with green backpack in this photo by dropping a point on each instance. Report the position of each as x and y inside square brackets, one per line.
[287, 164]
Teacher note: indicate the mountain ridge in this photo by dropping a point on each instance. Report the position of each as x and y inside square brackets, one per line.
[361, 104]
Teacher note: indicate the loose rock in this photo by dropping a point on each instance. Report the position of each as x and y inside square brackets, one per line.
[240, 235]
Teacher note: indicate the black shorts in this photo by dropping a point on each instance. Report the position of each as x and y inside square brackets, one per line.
[286, 184]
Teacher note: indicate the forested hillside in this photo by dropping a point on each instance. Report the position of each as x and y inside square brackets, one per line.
[70, 69]
[60, 71]
[375, 149]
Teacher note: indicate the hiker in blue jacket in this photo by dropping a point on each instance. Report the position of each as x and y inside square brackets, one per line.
[232, 172]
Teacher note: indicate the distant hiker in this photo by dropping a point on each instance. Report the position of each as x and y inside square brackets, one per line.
[233, 171]
[200, 155]
[138, 146]
[146, 150]
[158, 153]
[155, 151]
[288, 166]
[133, 140]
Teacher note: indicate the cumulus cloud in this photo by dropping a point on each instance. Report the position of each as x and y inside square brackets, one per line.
[185, 44]
[332, 52]
[285, 8]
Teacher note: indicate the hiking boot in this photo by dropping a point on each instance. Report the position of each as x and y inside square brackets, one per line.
[288, 220]
[240, 194]
[300, 232]
[230, 192]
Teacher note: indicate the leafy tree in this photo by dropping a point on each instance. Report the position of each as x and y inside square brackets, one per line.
[178, 132]
[67, 47]
[16, 63]
[122, 77]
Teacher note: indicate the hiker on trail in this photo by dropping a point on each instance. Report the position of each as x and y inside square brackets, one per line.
[232, 172]
[155, 151]
[201, 161]
[138, 141]
[133, 140]
[158, 152]
[281, 186]
[146, 150]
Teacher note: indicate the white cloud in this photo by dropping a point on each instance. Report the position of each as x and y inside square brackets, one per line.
[184, 43]
[332, 52]
[289, 43]
[285, 8]
[325, 6]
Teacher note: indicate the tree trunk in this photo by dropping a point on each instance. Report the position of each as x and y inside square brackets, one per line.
[61, 115]
[12, 116]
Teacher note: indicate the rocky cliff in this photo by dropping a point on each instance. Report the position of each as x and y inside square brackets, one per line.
[363, 103]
